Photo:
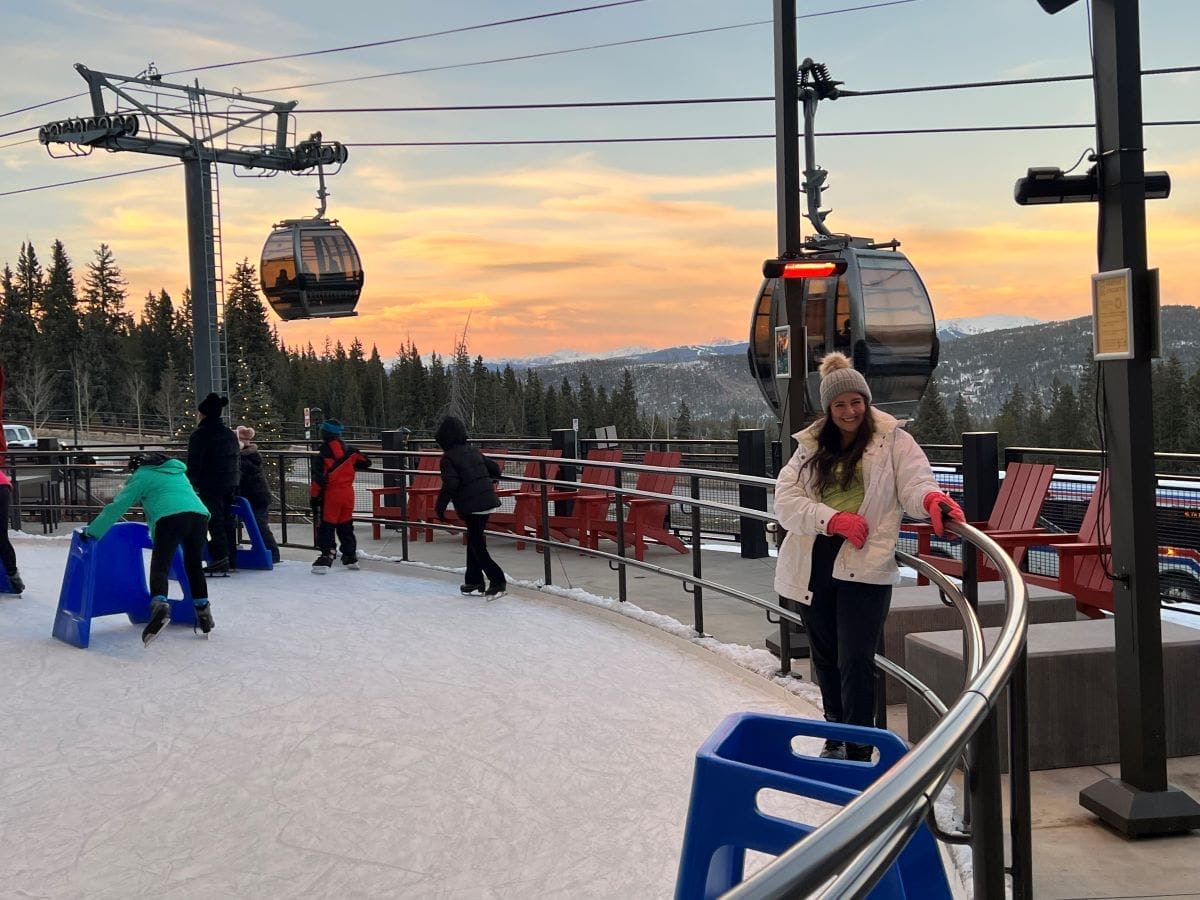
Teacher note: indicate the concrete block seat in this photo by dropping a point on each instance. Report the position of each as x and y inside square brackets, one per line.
[919, 609]
[1072, 689]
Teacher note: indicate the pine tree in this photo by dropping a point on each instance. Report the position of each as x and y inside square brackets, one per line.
[1170, 412]
[1011, 424]
[684, 428]
[23, 292]
[932, 423]
[961, 419]
[105, 327]
[59, 316]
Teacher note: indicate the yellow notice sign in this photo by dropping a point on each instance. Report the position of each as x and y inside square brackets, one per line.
[1112, 315]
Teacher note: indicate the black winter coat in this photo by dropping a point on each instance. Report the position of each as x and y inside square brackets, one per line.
[468, 477]
[253, 483]
[212, 460]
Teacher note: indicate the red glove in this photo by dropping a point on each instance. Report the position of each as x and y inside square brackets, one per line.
[851, 526]
[941, 507]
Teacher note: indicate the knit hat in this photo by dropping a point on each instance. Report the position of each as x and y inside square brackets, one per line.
[331, 426]
[212, 405]
[245, 433]
[839, 376]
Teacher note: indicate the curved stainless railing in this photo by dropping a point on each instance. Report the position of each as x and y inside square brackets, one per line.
[872, 829]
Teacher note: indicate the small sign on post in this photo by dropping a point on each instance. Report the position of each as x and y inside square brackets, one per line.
[1112, 314]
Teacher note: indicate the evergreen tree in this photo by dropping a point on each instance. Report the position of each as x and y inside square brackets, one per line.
[1065, 422]
[59, 316]
[684, 428]
[105, 327]
[625, 407]
[1014, 415]
[932, 423]
[960, 419]
[588, 414]
[23, 293]
[1170, 409]
[535, 404]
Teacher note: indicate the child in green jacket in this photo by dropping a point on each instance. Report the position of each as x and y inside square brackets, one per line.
[176, 517]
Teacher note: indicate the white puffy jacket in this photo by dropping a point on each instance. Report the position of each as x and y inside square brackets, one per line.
[896, 478]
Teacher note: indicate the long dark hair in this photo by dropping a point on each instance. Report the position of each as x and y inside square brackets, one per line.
[830, 452]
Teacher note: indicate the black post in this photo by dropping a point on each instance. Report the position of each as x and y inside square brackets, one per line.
[393, 466]
[752, 460]
[1140, 802]
[566, 440]
[981, 484]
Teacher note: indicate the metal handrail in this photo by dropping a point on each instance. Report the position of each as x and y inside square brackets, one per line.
[880, 815]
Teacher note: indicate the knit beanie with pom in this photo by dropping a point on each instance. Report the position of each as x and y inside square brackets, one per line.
[839, 376]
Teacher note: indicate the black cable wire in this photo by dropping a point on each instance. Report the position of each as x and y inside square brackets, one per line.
[43, 187]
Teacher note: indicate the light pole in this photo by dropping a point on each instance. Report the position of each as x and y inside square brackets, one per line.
[75, 383]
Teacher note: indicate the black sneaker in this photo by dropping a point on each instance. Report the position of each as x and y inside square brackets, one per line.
[471, 588]
[350, 561]
[204, 619]
[15, 582]
[496, 590]
[160, 615]
[323, 564]
[834, 750]
[217, 568]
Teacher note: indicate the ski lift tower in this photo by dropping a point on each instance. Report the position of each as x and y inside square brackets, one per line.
[149, 115]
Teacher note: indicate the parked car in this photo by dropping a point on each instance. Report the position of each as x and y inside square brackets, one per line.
[19, 436]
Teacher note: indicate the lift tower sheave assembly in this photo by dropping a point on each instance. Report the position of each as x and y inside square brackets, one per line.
[152, 116]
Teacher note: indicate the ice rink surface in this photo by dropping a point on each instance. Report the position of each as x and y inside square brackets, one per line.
[362, 734]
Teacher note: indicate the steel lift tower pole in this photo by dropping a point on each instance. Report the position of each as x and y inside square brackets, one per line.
[163, 119]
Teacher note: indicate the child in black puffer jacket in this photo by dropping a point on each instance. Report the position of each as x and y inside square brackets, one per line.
[252, 484]
[469, 482]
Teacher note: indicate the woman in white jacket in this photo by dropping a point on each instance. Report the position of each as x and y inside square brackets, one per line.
[841, 497]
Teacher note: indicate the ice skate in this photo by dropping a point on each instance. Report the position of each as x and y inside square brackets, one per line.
[495, 590]
[469, 588]
[323, 564]
[160, 616]
[204, 619]
[218, 568]
[15, 583]
[834, 750]
[350, 561]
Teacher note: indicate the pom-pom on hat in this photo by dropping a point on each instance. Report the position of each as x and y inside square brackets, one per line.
[331, 426]
[212, 405]
[839, 376]
[245, 433]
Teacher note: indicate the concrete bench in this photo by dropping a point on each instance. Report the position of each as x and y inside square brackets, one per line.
[919, 609]
[1072, 690]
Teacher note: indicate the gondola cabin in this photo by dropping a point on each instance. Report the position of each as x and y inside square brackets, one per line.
[310, 269]
[876, 311]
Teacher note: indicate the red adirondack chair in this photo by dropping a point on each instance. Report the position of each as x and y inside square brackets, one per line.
[1083, 556]
[1017, 507]
[590, 500]
[646, 516]
[527, 497]
[422, 495]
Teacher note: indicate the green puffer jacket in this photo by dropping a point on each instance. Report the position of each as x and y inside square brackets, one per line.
[161, 490]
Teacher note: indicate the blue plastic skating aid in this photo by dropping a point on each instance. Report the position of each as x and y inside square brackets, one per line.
[107, 577]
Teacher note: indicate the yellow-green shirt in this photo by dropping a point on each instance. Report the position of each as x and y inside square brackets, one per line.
[847, 499]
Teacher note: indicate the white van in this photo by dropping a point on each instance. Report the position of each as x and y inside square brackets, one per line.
[19, 436]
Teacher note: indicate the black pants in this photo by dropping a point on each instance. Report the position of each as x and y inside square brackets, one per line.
[170, 532]
[844, 623]
[222, 526]
[479, 561]
[8, 556]
[345, 537]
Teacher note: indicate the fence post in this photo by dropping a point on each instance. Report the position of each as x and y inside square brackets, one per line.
[566, 440]
[393, 466]
[752, 460]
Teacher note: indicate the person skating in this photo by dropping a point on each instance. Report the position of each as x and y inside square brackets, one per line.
[332, 493]
[841, 496]
[469, 482]
[176, 517]
[212, 468]
[252, 484]
[8, 555]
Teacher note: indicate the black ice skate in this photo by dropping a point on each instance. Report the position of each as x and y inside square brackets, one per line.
[204, 619]
[160, 615]
[469, 588]
[495, 589]
[350, 561]
[15, 584]
[323, 564]
[217, 568]
[834, 750]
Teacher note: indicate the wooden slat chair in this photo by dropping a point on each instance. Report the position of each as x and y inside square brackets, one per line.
[646, 517]
[1082, 555]
[589, 500]
[422, 495]
[522, 519]
[1017, 507]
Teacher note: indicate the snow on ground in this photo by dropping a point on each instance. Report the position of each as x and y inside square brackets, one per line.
[369, 734]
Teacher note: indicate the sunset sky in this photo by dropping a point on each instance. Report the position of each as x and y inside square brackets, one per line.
[593, 247]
